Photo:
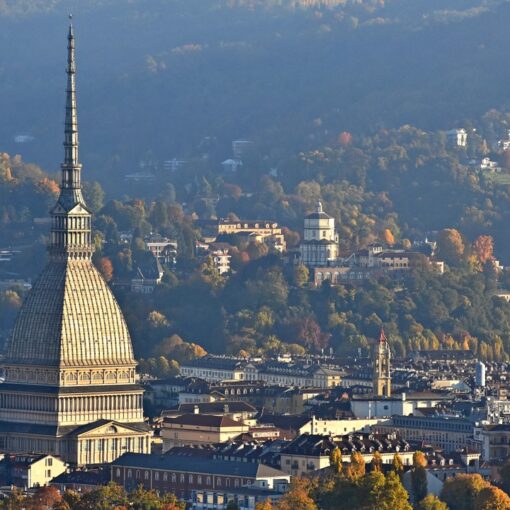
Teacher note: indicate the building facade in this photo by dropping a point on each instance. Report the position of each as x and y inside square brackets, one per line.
[448, 434]
[69, 361]
[320, 240]
[183, 475]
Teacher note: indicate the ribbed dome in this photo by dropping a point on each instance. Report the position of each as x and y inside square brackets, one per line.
[70, 318]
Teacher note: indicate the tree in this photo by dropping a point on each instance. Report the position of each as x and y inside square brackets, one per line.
[345, 139]
[105, 497]
[44, 498]
[483, 249]
[257, 250]
[504, 473]
[301, 275]
[394, 495]
[335, 460]
[265, 505]
[376, 462]
[398, 465]
[94, 195]
[431, 502]
[16, 501]
[143, 499]
[356, 469]
[388, 237]
[492, 498]
[419, 477]
[450, 246]
[105, 267]
[297, 497]
[460, 493]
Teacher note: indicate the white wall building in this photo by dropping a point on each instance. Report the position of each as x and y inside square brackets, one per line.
[320, 239]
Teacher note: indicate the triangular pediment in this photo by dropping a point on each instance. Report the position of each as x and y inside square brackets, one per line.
[104, 428]
[58, 209]
[79, 209]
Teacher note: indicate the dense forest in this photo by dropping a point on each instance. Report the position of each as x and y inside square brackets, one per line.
[334, 115]
[156, 77]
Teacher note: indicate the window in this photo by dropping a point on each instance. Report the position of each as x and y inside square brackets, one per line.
[129, 473]
[146, 474]
[156, 476]
[190, 478]
[174, 477]
[218, 482]
[208, 480]
[118, 472]
[182, 478]
[165, 476]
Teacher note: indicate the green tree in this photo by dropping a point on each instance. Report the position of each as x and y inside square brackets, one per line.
[394, 496]
[94, 195]
[301, 275]
[419, 477]
[105, 497]
[431, 502]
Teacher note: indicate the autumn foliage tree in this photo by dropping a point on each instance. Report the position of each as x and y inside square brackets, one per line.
[450, 246]
[492, 498]
[298, 497]
[461, 492]
[483, 249]
[105, 267]
[356, 469]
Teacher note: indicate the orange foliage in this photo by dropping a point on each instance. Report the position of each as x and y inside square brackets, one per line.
[47, 185]
[345, 138]
[105, 267]
[483, 248]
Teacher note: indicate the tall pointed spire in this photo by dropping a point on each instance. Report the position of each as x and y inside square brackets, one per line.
[71, 167]
[71, 219]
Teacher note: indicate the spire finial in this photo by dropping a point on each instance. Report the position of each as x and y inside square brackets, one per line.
[71, 167]
[319, 206]
[382, 337]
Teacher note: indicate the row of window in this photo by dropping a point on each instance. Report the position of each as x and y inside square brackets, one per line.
[181, 477]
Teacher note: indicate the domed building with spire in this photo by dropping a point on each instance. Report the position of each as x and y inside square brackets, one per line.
[70, 385]
[320, 239]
